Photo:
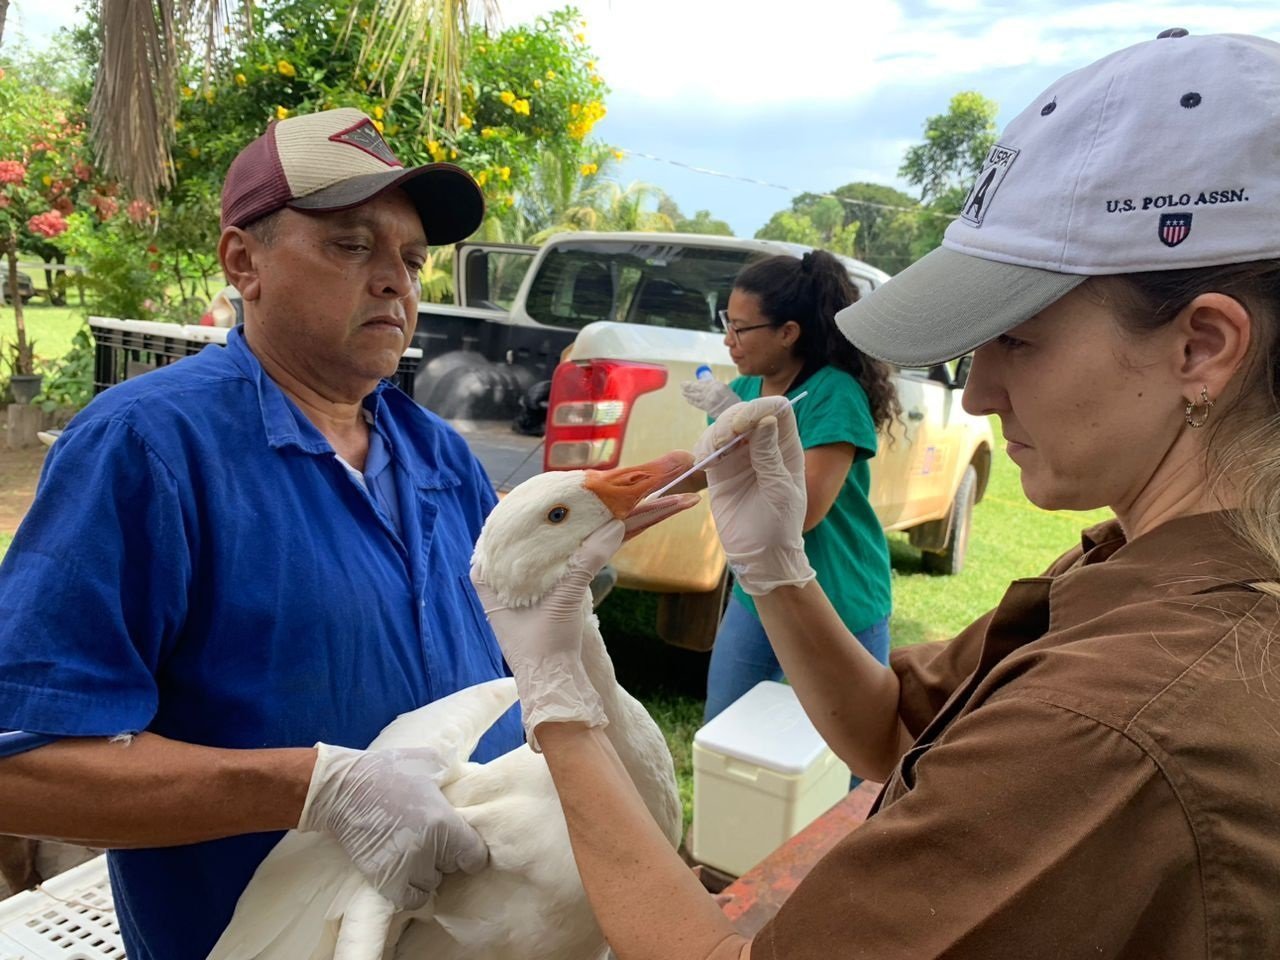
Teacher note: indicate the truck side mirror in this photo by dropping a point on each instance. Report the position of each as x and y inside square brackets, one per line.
[961, 376]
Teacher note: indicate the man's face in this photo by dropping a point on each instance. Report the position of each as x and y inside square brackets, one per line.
[338, 293]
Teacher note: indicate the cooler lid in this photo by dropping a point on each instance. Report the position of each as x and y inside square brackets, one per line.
[766, 726]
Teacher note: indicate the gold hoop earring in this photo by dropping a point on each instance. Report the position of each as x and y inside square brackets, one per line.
[1195, 418]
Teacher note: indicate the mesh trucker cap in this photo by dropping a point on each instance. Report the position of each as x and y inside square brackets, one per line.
[335, 160]
[1162, 156]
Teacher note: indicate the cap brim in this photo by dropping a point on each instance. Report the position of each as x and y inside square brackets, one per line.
[449, 201]
[946, 304]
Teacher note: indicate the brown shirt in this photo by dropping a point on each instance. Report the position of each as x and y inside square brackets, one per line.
[1096, 774]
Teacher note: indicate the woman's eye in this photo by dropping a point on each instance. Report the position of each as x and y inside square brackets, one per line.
[1010, 343]
[557, 514]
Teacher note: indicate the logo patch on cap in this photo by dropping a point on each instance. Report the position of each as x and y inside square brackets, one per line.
[992, 174]
[1174, 228]
[365, 136]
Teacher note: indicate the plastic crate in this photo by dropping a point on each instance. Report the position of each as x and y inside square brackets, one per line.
[124, 349]
[68, 917]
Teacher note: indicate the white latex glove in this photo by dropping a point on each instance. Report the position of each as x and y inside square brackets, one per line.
[386, 810]
[758, 494]
[709, 395]
[542, 643]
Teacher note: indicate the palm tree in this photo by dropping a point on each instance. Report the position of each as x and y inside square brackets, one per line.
[146, 42]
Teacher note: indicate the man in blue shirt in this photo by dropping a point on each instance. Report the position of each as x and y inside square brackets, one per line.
[253, 551]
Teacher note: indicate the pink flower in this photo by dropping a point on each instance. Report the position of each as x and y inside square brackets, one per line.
[107, 207]
[138, 211]
[12, 171]
[83, 172]
[48, 224]
[63, 205]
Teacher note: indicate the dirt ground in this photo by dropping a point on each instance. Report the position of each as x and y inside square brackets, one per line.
[19, 471]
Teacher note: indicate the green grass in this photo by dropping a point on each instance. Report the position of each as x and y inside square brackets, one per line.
[49, 329]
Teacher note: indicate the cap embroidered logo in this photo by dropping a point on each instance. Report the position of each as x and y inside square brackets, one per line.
[364, 136]
[993, 172]
[1174, 228]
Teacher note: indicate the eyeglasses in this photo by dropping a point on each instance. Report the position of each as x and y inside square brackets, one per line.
[732, 332]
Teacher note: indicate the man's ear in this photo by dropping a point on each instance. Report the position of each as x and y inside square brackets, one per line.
[239, 252]
[1215, 331]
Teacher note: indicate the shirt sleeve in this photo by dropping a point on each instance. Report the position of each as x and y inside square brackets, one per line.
[94, 588]
[1008, 844]
[928, 673]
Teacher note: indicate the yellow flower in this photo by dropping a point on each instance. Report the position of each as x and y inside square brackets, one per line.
[618, 154]
[488, 132]
[286, 68]
[378, 113]
[46, 180]
[282, 113]
[507, 97]
[580, 37]
[510, 201]
[194, 152]
[209, 96]
[241, 80]
[551, 74]
[521, 107]
[436, 150]
[504, 173]
[377, 125]
[482, 177]
[591, 64]
[479, 49]
[467, 122]
[575, 109]
[537, 84]
[453, 154]
[595, 78]
[587, 169]
[188, 92]
[519, 41]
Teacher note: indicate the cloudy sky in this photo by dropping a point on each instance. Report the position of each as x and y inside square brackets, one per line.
[812, 94]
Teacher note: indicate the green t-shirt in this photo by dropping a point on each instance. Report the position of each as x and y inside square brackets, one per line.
[847, 549]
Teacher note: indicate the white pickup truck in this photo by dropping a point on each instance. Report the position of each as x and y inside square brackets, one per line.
[596, 331]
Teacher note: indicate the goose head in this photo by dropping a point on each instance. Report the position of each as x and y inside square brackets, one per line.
[529, 537]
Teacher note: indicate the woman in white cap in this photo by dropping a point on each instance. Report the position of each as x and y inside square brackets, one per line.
[1093, 768]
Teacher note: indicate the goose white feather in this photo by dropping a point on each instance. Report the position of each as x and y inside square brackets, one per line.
[307, 901]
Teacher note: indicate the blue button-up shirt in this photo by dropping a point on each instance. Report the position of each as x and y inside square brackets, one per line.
[199, 564]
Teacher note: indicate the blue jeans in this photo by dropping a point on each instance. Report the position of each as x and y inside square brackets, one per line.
[742, 655]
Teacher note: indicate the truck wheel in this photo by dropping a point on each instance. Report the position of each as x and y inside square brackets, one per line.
[950, 559]
[690, 620]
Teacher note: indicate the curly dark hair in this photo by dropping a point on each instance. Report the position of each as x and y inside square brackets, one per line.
[810, 290]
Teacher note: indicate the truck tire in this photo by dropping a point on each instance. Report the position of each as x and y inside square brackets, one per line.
[950, 559]
[690, 620]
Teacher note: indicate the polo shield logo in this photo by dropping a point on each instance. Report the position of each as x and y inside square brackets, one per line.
[1174, 228]
[992, 174]
[364, 136]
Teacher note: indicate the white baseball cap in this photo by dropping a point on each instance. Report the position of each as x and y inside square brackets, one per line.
[1162, 156]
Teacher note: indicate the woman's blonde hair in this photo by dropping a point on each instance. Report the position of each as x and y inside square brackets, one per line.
[1244, 437]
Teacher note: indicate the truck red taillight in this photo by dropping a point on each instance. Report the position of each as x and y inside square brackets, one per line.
[588, 409]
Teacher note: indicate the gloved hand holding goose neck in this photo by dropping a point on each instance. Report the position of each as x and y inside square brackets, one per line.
[386, 810]
[758, 494]
[708, 395]
[542, 643]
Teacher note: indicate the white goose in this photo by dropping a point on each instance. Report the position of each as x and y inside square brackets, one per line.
[307, 902]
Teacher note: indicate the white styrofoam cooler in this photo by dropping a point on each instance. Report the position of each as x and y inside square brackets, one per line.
[68, 917]
[761, 773]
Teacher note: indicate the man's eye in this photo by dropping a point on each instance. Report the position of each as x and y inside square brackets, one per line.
[558, 514]
[1010, 343]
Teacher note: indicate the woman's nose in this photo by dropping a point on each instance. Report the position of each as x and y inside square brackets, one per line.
[982, 392]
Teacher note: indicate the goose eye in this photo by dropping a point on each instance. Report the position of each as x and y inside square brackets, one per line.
[557, 514]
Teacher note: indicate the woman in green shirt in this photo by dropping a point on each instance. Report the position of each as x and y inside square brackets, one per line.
[780, 330]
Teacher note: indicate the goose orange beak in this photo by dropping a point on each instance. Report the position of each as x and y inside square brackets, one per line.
[621, 491]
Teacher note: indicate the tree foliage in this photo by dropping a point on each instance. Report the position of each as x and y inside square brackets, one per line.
[955, 144]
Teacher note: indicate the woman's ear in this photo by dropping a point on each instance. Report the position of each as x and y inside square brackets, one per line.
[790, 333]
[1215, 331]
[238, 250]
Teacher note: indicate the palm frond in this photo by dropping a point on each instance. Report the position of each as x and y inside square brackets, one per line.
[417, 37]
[135, 102]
